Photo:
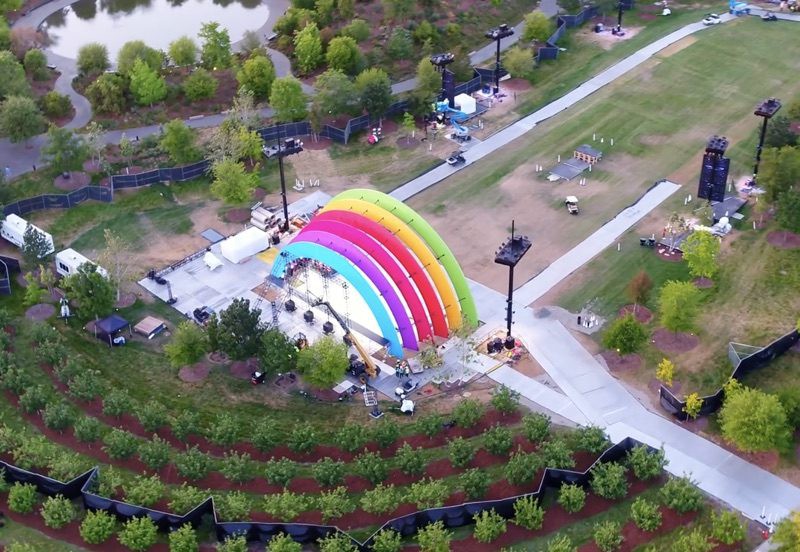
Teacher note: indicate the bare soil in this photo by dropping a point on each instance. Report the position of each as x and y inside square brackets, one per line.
[605, 39]
[243, 369]
[783, 239]
[77, 179]
[703, 283]
[40, 312]
[195, 373]
[674, 256]
[237, 215]
[674, 342]
[126, 299]
[622, 363]
[640, 312]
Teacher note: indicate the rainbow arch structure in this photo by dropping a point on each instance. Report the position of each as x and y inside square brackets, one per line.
[394, 259]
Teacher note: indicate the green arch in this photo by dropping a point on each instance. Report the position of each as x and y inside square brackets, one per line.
[429, 235]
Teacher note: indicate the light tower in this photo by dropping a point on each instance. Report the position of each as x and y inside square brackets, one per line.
[497, 34]
[510, 254]
[441, 61]
[290, 146]
[766, 110]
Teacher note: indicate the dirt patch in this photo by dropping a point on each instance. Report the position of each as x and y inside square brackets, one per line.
[242, 369]
[259, 193]
[621, 363]
[195, 373]
[605, 39]
[217, 357]
[126, 299]
[77, 179]
[676, 47]
[407, 143]
[783, 239]
[703, 283]
[673, 256]
[654, 384]
[237, 215]
[640, 312]
[321, 143]
[674, 342]
[515, 85]
[40, 312]
[91, 166]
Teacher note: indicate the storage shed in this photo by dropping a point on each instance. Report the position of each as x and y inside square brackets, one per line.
[150, 327]
[244, 245]
[587, 153]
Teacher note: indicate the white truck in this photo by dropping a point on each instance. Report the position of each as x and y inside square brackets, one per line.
[13, 230]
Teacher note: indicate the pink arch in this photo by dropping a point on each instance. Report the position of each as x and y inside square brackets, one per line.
[376, 251]
[407, 260]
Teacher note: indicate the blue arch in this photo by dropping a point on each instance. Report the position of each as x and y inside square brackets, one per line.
[309, 250]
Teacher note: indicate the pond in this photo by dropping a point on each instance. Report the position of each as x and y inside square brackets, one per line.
[156, 22]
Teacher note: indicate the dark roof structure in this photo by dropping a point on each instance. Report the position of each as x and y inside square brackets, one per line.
[727, 207]
[569, 169]
[589, 150]
[106, 328]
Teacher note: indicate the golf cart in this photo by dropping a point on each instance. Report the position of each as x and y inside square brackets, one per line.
[407, 387]
[572, 205]
[711, 19]
[456, 158]
[767, 16]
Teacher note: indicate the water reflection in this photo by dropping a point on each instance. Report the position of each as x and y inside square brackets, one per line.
[157, 22]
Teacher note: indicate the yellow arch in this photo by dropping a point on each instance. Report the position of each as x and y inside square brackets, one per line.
[410, 238]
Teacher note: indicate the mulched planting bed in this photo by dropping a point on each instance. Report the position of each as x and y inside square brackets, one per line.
[243, 369]
[320, 143]
[783, 239]
[672, 342]
[673, 256]
[703, 283]
[622, 363]
[76, 180]
[635, 537]
[640, 312]
[194, 373]
[237, 215]
[126, 299]
[40, 312]
[515, 85]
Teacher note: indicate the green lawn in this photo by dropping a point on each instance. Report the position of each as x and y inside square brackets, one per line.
[14, 532]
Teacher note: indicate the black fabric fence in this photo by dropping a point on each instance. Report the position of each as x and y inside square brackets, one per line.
[59, 201]
[169, 174]
[452, 516]
[713, 402]
[563, 22]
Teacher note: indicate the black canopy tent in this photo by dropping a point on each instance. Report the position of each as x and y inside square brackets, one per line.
[107, 328]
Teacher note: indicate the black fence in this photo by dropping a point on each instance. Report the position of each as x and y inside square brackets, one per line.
[169, 174]
[8, 267]
[563, 22]
[452, 516]
[59, 201]
[713, 402]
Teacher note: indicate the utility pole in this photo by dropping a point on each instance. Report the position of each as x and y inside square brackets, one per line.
[497, 34]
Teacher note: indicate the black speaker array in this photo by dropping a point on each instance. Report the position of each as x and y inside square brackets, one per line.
[714, 172]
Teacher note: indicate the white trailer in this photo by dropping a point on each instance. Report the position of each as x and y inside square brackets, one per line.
[13, 230]
[69, 261]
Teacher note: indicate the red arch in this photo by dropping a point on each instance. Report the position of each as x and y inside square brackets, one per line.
[375, 250]
[408, 261]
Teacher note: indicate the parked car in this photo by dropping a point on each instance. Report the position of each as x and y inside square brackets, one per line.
[769, 17]
[457, 158]
[711, 19]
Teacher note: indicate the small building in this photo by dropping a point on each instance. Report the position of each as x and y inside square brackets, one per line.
[588, 154]
[150, 327]
[69, 261]
[13, 230]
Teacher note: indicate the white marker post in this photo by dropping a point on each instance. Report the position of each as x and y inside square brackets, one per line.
[559, 158]
[594, 137]
[619, 246]
[612, 141]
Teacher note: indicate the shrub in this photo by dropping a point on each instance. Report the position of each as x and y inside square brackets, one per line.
[16, 379]
[67, 465]
[386, 433]
[592, 439]
[185, 424]
[154, 453]
[645, 514]
[505, 400]
[489, 525]
[108, 482]
[328, 472]
[152, 416]
[283, 543]
[200, 85]
[58, 415]
[97, 527]
[280, 472]
[694, 541]
[571, 498]
[608, 536]
[561, 543]
[380, 499]
[521, 467]
[498, 440]
[556, 454]
[372, 467]
[33, 399]
[335, 503]
[468, 412]
[474, 483]
[528, 513]
[536, 427]
[351, 437]
[92, 58]
[434, 538]
[233, 506]
[387, 540]
[411, 461]
[357, 29]
[237, 467]
[185, 498]
[117, 403]
[119, 444]
[428, 493]
[55, 105]
[303, 438]
[224, 431]
[86, 385]
[143, 490]
[17, 546]
[727, 527]
[57, 512]
[138, 534]
[336, 542]
[22, 498]
[33, 451]
[193, 464]
[608, 480]
[625, 335]
[234, 543]
[429, 425]
[183, 539]
[287, 505]
[461, 452]
[681, 494]
[267, 434]
[646, 464]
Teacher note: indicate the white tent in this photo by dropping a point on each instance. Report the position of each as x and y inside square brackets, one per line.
[466, 103]
[211, 260]
[245, 244]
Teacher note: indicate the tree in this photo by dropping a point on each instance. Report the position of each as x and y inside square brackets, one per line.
[489, 525]
[183, 539]
[538, 27]
[518, 61]
[460, 450]
[434, 538]
[400, 45]
[387, 540]
[147, 86]
[248, 144]
[336, 542]
[178, 141]
[429, 85]
[119, 444]
[20, 118]
[409, 125]
[571, 498]
[787, 533]
[233, 505]
[87, 385]
[116, 258]
[138, 534]
[152, 415]
[665, 371]
[107, 94]
[138, 50]
[646, 464]
[257, 75]
[779, 133]
[386, 433]
[287, 100]
[22, 498]
[608, 480]
[754, 420]
[277, 352]
[521, 467]
[183, 51]
[343, 55]
[429, 424]
[33, 293]
[97, 527]
[57, 512]
[528, 513]
[693, 405]
[216, 49]
[727, 527]
[682, 495]
[335, 93]
[200, 85]
[625, 335]
[308, 48]
[505, 400]
[358, 29]
[35, 246]
[13, 82]
[233, 544]
[700, 250]
[224, 430]
[351, 437]
[239, 329]
[397, 9]
[283, 543]
[678, 304]
[188, 345]
[779, 171]
[232, 183]
[35, 63]
[608, 535]
[323, 363]
[639, 287]
[374, 90]
[87, 429]
[280, 472]
[556, 454]
[55, 105]
[789, 211]
[94, 293]
[93, 58]
[117, 403]
[64, 150]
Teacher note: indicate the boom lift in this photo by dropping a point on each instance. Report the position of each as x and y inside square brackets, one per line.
[369, 366]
